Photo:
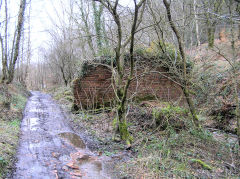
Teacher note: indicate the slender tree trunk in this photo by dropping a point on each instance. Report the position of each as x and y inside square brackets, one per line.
[235, 72]
[185, 80]
[196, 22]
[237, 111]
[16, 47]
[5, 47]
[121, 84]
[97, 22]
[211, 36]
[89, 37]
[106, 41]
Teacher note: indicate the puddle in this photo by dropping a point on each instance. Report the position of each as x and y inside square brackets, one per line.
[87, 164]
[73, 139]
[34, 145]
[92, 169]
[33, 122]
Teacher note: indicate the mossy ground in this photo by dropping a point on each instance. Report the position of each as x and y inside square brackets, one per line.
[169, 152]
[10, 120]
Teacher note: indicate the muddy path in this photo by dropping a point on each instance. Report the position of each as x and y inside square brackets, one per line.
[50, 149]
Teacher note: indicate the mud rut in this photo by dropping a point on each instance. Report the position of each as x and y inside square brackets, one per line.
[48, 147]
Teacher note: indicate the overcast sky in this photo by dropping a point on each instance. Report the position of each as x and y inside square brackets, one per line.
[42, 14]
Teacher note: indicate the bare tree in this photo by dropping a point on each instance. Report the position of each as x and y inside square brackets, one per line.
[9, 58]
[121, 84]
[183, 56]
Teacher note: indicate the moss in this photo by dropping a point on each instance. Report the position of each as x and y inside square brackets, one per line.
[68, 93]
[124, 133]
[203, 164]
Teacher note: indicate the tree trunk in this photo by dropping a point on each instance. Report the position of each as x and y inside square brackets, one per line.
[211, 36]
[185, 80]
[4, 70]
[16, 47]
[237, 111]
[97, 23]
[234, 65]
[89, 37]
[196, 23]
[121, 85]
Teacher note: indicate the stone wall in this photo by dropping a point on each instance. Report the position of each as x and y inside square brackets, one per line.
[95, 89]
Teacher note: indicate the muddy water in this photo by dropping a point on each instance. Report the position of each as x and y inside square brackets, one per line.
[50, 149]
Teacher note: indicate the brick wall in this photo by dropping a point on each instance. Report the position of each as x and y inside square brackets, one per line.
[95, 87]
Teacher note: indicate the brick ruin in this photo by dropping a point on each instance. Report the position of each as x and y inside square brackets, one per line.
[95, 89]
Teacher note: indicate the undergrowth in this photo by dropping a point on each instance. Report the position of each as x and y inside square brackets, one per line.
[63, 95]
[172, 152]
[164, 152]
[12, 102]
[165, 144]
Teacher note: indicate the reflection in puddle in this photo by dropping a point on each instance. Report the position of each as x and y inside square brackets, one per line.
[74, 139]
[34, 110]
[34, 145]
[32, 123]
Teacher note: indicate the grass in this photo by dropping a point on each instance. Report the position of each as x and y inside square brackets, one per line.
[10, 125]
[9, 132]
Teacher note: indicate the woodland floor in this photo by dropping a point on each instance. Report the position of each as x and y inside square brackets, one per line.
[158, 153]
[56, 144]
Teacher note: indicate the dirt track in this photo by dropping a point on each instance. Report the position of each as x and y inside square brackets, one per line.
[49, 148]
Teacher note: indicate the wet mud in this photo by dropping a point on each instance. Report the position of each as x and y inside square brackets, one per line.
[49, 148]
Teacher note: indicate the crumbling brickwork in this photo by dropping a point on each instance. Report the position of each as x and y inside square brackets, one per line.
[95, 88]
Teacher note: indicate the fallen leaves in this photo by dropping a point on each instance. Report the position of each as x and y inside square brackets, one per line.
[72, 165]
